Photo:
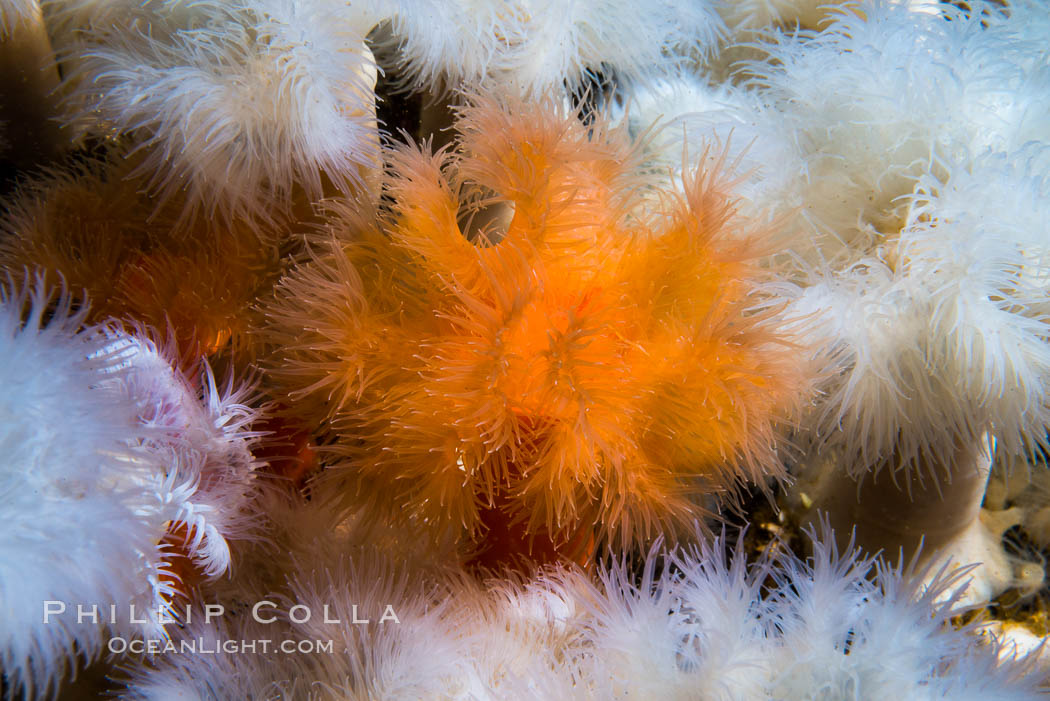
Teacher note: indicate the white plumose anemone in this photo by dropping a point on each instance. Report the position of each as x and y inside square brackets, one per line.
[942, 355]
[82, 523]
[203, 439]
[835, 128]
[240, 105]
[533, 47]
[850, 626]
[693, 623]
[106, 449]
[701, 623]
[838, 625]
[981, 237]
[885, 95]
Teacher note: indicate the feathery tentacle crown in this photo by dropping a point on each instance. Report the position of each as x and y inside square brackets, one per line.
[13, 13]
[241, 105]
[535, 48]
[77, 523]
[587, 362]
[107, 448]
[92, 229]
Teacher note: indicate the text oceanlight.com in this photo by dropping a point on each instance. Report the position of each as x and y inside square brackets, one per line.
[153, 622]
[204, 646]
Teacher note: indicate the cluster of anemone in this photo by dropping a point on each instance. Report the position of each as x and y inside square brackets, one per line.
[454, 330]
[919, 247]
[935, 311]
[706, 620]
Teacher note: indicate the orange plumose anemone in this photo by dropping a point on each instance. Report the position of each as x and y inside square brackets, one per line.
[92, 230]
[587, 360]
